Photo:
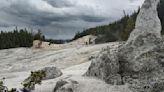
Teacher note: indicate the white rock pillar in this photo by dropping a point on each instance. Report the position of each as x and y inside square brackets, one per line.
[147, 20]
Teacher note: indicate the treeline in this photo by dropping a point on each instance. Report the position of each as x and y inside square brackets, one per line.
[19, 38]
[119, 30]
[115, 31]
[23, 38]
[52, 41]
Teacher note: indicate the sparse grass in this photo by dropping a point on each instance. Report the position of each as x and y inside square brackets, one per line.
[35, 78]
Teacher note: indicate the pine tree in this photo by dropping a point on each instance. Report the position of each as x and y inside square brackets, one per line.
[118, 30]
[14, 39]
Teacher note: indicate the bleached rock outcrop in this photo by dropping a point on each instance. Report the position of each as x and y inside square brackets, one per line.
[39, 75]
[85, 84]
[106, 66]
[140, 61]
[86, 40]
[51, 72]
[37, 44]
[147, 21]
[66, 86]
[143, 48]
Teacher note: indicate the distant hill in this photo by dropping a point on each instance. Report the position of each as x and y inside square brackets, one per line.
[119, 30]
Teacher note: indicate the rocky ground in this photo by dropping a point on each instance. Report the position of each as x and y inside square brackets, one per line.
[139, 61]
[16, 65]
[133, 66]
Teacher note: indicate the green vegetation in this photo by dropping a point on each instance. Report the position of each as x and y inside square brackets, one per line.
[35, 78]
[52, 41]
[18, 38]
[115, 31]
[1, 86]
[15, 39]
[23, 38]
[119, 30]
[161, 14]
[28, 84]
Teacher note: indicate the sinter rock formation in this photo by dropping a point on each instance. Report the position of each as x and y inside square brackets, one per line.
[66, 86]
[140, 61]
[51, 72]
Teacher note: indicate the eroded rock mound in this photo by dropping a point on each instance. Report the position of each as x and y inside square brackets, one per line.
[66, 86]
[140, 61]
[51, 72]
[38, 76]
[105, 66]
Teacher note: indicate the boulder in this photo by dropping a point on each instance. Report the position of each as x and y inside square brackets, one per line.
[140, 61]
[66, 86]
[144, 40]
[105, 64]
[51, 72]
[141, 57]
[37, 44]
[38, 76]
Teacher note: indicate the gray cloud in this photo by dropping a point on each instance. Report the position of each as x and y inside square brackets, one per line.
[62, 18]
[60, 3]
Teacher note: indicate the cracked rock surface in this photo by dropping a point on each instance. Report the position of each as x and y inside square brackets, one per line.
[138, 62]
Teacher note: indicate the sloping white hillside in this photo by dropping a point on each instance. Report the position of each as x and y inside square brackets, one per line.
[16, 64]
[86, 84]
[86, 40]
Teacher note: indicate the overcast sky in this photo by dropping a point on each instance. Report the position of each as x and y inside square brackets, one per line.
[61, 19]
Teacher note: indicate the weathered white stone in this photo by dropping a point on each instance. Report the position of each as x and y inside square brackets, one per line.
[66, 86]
[140, 61]
[106, 65]
[147, 20]
[144, 41]
[52, 72]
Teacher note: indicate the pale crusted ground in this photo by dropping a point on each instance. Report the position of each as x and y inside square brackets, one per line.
[16, 64]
